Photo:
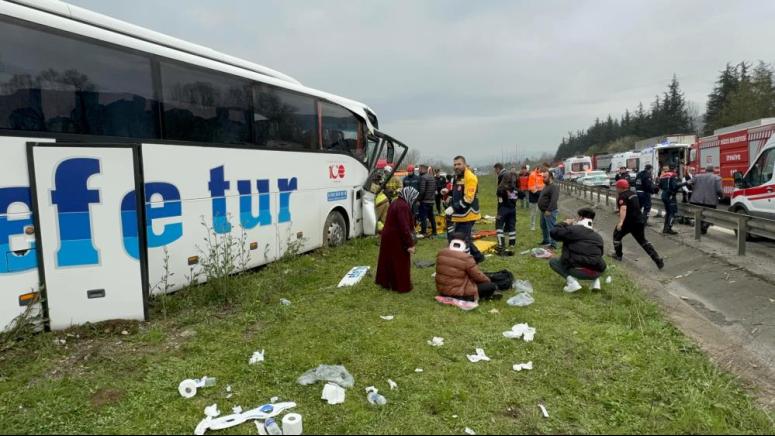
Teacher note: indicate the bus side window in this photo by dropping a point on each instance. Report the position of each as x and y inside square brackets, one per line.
[283, 118]
[204, 106]
[54, 83]
[341, 130]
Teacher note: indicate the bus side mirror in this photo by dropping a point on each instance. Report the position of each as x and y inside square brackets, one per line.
[739, 181]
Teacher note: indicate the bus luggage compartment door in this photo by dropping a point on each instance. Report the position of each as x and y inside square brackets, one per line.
[91, 246]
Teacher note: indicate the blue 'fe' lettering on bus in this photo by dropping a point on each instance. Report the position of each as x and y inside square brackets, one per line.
[218, 187]
[247, 219]
[169, 207]
[286, 186]
[129, 224]
[72, 197]
[10, 262]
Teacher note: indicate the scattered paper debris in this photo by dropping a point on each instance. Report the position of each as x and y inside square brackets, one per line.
[274, 400]
[124, 332]
[521, 366]
[543, 410]
[418, 370]
[495, 311]
[333, 393]
[388, 317]
[212, 411]
[478, 357]
[469, 431]
[523, 331]
[257, 357]
[393, 385]
[609, 280]
[58, 341]
[454, 416]
[236, 410]
[433, 275]
[436, 342]
[285, 302]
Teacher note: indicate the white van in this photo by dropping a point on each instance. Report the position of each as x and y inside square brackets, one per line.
[578, 166]
[755, 191]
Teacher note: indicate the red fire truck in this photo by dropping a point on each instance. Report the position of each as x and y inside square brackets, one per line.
[731, 149]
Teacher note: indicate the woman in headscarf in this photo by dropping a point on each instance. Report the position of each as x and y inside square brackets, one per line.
[397, 246]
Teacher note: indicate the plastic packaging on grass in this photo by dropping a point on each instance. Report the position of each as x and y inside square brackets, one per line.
[329, 373]
[374, 398]
[523, 286]
[522, 299]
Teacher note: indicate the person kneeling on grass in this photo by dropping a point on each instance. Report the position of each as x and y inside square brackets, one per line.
[582, 251]
[457, 274]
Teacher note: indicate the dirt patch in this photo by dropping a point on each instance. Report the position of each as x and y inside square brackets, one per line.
[106, 397]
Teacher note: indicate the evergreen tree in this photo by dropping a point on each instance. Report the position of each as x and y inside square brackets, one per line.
[719, 98]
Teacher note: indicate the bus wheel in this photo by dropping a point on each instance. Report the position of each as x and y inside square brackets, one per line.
[335, 230]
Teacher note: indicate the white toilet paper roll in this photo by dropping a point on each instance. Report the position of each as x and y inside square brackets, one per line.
[187, 388]
[292, 424]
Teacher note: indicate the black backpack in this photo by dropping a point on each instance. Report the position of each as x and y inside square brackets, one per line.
[502, 279]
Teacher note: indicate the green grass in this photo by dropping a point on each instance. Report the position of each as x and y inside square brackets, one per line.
[607, 362]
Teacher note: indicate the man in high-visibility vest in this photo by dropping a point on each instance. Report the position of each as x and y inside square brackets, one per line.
[535, 185]
[465, 204]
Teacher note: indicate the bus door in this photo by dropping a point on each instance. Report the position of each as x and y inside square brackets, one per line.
[381, 147]
[88, 202]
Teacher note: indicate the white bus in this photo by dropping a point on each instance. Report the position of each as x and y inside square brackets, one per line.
[123, 149]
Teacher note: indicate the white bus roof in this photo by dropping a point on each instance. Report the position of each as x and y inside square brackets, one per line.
[258, 72]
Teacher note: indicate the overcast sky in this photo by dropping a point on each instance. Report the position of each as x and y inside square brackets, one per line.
[471, 77]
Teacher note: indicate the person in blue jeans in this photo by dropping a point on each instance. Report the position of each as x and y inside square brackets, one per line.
[547, 205]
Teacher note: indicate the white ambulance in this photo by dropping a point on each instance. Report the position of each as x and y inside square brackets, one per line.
[755, 191]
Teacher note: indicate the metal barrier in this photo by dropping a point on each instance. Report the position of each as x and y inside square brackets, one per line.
[743, 225]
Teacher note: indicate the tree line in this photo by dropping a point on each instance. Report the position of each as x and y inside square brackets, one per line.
[741, 93]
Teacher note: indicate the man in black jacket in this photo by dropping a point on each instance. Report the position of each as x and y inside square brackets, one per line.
[426, 199]
[644, 186]
[547, 204]
[582, 251]
[506, 220]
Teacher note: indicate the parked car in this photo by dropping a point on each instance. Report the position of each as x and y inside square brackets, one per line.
[595, 178]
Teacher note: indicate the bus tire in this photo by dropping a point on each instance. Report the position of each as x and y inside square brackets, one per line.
[335, 230]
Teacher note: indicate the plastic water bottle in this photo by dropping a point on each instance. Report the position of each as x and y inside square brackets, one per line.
[376, 399]
[272, 428]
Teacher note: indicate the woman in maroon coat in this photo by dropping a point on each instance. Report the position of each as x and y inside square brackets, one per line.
[393, 266]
